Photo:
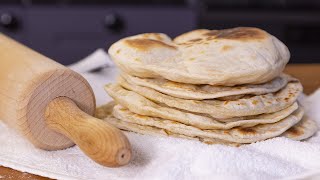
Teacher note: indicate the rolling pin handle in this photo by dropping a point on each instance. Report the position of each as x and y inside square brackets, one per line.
[99, 140]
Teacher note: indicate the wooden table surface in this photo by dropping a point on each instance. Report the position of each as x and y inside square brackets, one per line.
[309, 75]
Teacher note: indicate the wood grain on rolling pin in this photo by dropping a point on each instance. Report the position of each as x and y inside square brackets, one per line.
[28, 82]
[64, 116]
[32, 85]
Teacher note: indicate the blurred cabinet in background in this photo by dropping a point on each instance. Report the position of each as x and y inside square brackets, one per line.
[11, 22]
[69, 33]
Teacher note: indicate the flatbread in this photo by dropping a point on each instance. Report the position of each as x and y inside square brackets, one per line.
[237, 135]
[154, 131]
[140, 105]
[104, 110]
[303, 130]
[200, 92]
[260, 104]
[228, 57]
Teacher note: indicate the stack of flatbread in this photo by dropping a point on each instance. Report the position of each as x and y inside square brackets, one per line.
[216, 86]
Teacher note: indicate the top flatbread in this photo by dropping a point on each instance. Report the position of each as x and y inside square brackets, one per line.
[226, 57]
[199, 92]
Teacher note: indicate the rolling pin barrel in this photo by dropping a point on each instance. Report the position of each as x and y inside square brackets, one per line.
[52, 106]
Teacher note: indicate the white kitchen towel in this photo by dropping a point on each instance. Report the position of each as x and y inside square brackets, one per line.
[166, 158]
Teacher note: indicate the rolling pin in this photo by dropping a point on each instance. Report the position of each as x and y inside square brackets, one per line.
[52, 106]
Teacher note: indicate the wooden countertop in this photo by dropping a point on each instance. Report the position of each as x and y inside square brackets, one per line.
[308, 74]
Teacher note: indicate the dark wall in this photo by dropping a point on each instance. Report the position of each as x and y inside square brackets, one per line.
[69, 33]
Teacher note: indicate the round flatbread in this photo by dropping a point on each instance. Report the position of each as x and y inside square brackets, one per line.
[140, 105]
[154, 131]
[237, 134]
[300, 131]
[303, 130]
[228, 57]
[246, 106]
[200, 92]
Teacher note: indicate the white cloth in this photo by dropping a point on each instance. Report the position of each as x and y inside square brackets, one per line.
[166, 158]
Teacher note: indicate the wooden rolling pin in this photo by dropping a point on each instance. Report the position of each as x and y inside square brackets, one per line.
[52, 106]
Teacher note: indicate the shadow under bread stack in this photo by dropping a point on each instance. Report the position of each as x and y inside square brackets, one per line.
[216, 86]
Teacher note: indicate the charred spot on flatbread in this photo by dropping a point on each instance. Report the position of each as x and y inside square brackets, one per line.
[240, 33]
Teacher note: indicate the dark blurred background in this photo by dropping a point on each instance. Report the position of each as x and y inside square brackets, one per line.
[68, 30]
